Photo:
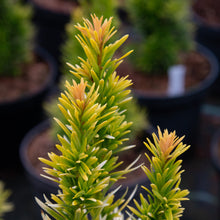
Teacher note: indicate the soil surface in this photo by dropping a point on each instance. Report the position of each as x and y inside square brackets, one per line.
[62, 6]
[208, 10]
[40, 146]
[197, 69]
[33, 78]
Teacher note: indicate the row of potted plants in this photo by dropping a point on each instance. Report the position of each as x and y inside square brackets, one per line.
[169, 40]
[178, 111]
[208, 85]
[157, 116]
[205, 14]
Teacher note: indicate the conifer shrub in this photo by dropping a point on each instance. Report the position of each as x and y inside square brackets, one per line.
[72, 50]
[94, 127]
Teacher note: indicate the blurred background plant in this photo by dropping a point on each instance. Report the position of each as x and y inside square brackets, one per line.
[15, 37]
[5, 206]
[162, 31]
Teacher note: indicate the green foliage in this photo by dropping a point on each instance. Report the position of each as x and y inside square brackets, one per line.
[133, 113]
[93, 119]
[94, 130]
[4, 205]
[71, 49]
[163, 32]
[163, 201]
[139, 119]
[15, 37]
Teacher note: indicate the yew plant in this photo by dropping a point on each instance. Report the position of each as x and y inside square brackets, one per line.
[94, 131]
[163, 199]
[71, 50]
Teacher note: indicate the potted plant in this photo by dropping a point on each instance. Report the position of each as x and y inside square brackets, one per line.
[94, 131]
[207, 21]
[163, 38]
[26, 76]
[5, 206]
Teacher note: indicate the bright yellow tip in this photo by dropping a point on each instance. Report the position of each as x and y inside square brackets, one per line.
[99, 30]
[78, 90]
[168, 141]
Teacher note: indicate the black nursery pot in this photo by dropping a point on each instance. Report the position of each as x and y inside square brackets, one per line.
[50, 29]
[209, 36]
[19, 116]
[40, 185]
[182, 112]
